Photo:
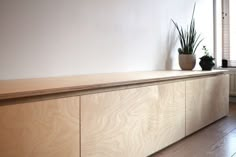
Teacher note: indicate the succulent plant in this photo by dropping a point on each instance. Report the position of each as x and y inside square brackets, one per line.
[207, 56]
[206, 61]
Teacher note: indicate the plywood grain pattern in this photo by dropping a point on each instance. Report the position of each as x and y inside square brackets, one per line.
[41, 86]
[41, 129]
[216, 140]
[134, 122]
[206, 101]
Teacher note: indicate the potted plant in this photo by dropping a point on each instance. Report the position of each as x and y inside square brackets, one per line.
[189, 42]
[206, 61]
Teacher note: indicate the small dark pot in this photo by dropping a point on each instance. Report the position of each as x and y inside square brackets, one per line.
[206, 64]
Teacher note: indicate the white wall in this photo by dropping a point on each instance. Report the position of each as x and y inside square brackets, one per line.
[41, 38]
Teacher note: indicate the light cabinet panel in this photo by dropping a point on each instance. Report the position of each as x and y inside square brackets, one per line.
[133, 122]
[207, 100]
[48, 128]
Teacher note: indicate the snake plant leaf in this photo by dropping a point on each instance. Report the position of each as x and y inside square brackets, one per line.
[189, 39]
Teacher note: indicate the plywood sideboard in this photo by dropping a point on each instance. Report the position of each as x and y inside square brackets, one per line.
[108, 115]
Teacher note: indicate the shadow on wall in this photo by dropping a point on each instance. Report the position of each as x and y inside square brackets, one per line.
[171, 41]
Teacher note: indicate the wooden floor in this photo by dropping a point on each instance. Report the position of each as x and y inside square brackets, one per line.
[216, 140]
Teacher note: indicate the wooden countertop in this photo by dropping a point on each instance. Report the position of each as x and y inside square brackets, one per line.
[41, 86]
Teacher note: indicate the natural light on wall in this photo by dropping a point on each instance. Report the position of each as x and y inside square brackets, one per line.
[232, 15]
[218, 31]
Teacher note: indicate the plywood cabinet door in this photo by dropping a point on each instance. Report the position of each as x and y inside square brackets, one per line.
[133, 122]
[207, 100]
[40, 129]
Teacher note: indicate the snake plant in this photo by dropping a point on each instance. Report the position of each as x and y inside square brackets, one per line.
[189, 39]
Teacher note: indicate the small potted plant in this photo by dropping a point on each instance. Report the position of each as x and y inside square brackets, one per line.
[206, 61]
[189, 42]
